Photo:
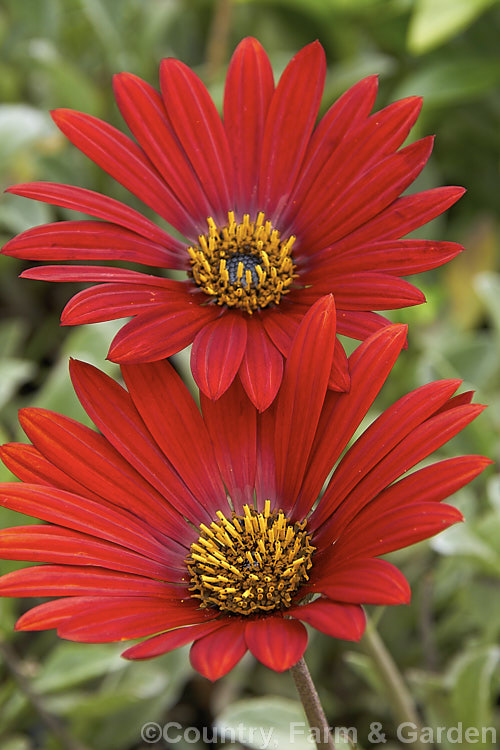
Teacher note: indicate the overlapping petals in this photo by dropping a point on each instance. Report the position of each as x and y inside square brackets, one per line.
[122, 507]
[334, 185]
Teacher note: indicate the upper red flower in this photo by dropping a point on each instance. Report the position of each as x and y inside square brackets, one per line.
[276, 211]
[204, 528]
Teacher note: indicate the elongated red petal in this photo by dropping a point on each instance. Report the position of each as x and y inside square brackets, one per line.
[217, 353]
[94, 204]
[99, 274]
[113, 301]
[248, 93]
[94, 240]
[54, 544]
[374, 291]
[379, 533]
[416, 446]
[346, 621]
[75, 580]
[261, 368]
[144, 112]
[161, 332]
[276, 642]
[369, 367]
[124, 160]
[301, 396]
[111, 409]
[181, 433]
[197, 125]
[399, 257]
[215, 654]
[345, 114]
[165, 642]
[232, 414]
[118, 618]
[379, 439]
[363, 580]
[289, 124]
[360, 325]
[95, 465]
[81, 514]
[402, 216]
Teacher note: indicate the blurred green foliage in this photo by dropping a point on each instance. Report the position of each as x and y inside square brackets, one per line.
[63, 53]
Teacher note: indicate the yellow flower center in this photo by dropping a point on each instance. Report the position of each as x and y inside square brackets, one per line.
[253, 563]
[243, 265]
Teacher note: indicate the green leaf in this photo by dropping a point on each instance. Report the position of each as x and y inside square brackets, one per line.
[451, 81]
[471, 686]
[272, 722]
[435, 21]
[70, 664]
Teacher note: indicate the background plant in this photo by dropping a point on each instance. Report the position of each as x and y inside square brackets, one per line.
[62, 53]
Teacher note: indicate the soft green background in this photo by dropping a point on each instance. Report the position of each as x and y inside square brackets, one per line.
[62, 53]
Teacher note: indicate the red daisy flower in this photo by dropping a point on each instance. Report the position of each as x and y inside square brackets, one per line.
[204, 528]
[276, 212]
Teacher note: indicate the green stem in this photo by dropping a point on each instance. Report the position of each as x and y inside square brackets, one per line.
[402, 704]
[312, 706]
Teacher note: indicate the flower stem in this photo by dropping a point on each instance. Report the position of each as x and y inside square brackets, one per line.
[312, 706]
[402, 704]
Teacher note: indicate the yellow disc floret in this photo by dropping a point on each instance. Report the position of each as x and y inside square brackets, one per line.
[243, 265]
[252, 563]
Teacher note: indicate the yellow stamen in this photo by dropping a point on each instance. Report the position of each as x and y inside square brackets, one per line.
[243, 265]
[252, 563]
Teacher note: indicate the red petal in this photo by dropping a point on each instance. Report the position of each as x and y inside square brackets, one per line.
[432, 483]
[198, 127]
[362, 581]
[231, 422]
[118, 619]
[339, 376]
[165, 642]
[124, 160]
[265, 475]
[75, 580]
[161, 332]
[143, 110]
[402, 216]
[111, 409]
[346, 621]
[261, 368]
[94, 204]
[276, 642]
[95, 465]
[399, 257]
[54, 544]
[182, 436]
[379, 533]
[95, 240]
[344, 115]
[370, 365]
[80, 513]
[113, 301]
[301, 397]
[420, 443]
[290, 121]
[379, 440]
[217, 353]
[360, 325]
[215, 654]
[373, 291]
[100, 274]
[248, 92]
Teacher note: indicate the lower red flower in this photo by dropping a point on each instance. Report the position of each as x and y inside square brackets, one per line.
[184, 527]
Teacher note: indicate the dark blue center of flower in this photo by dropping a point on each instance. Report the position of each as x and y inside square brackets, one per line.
[249, 262]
